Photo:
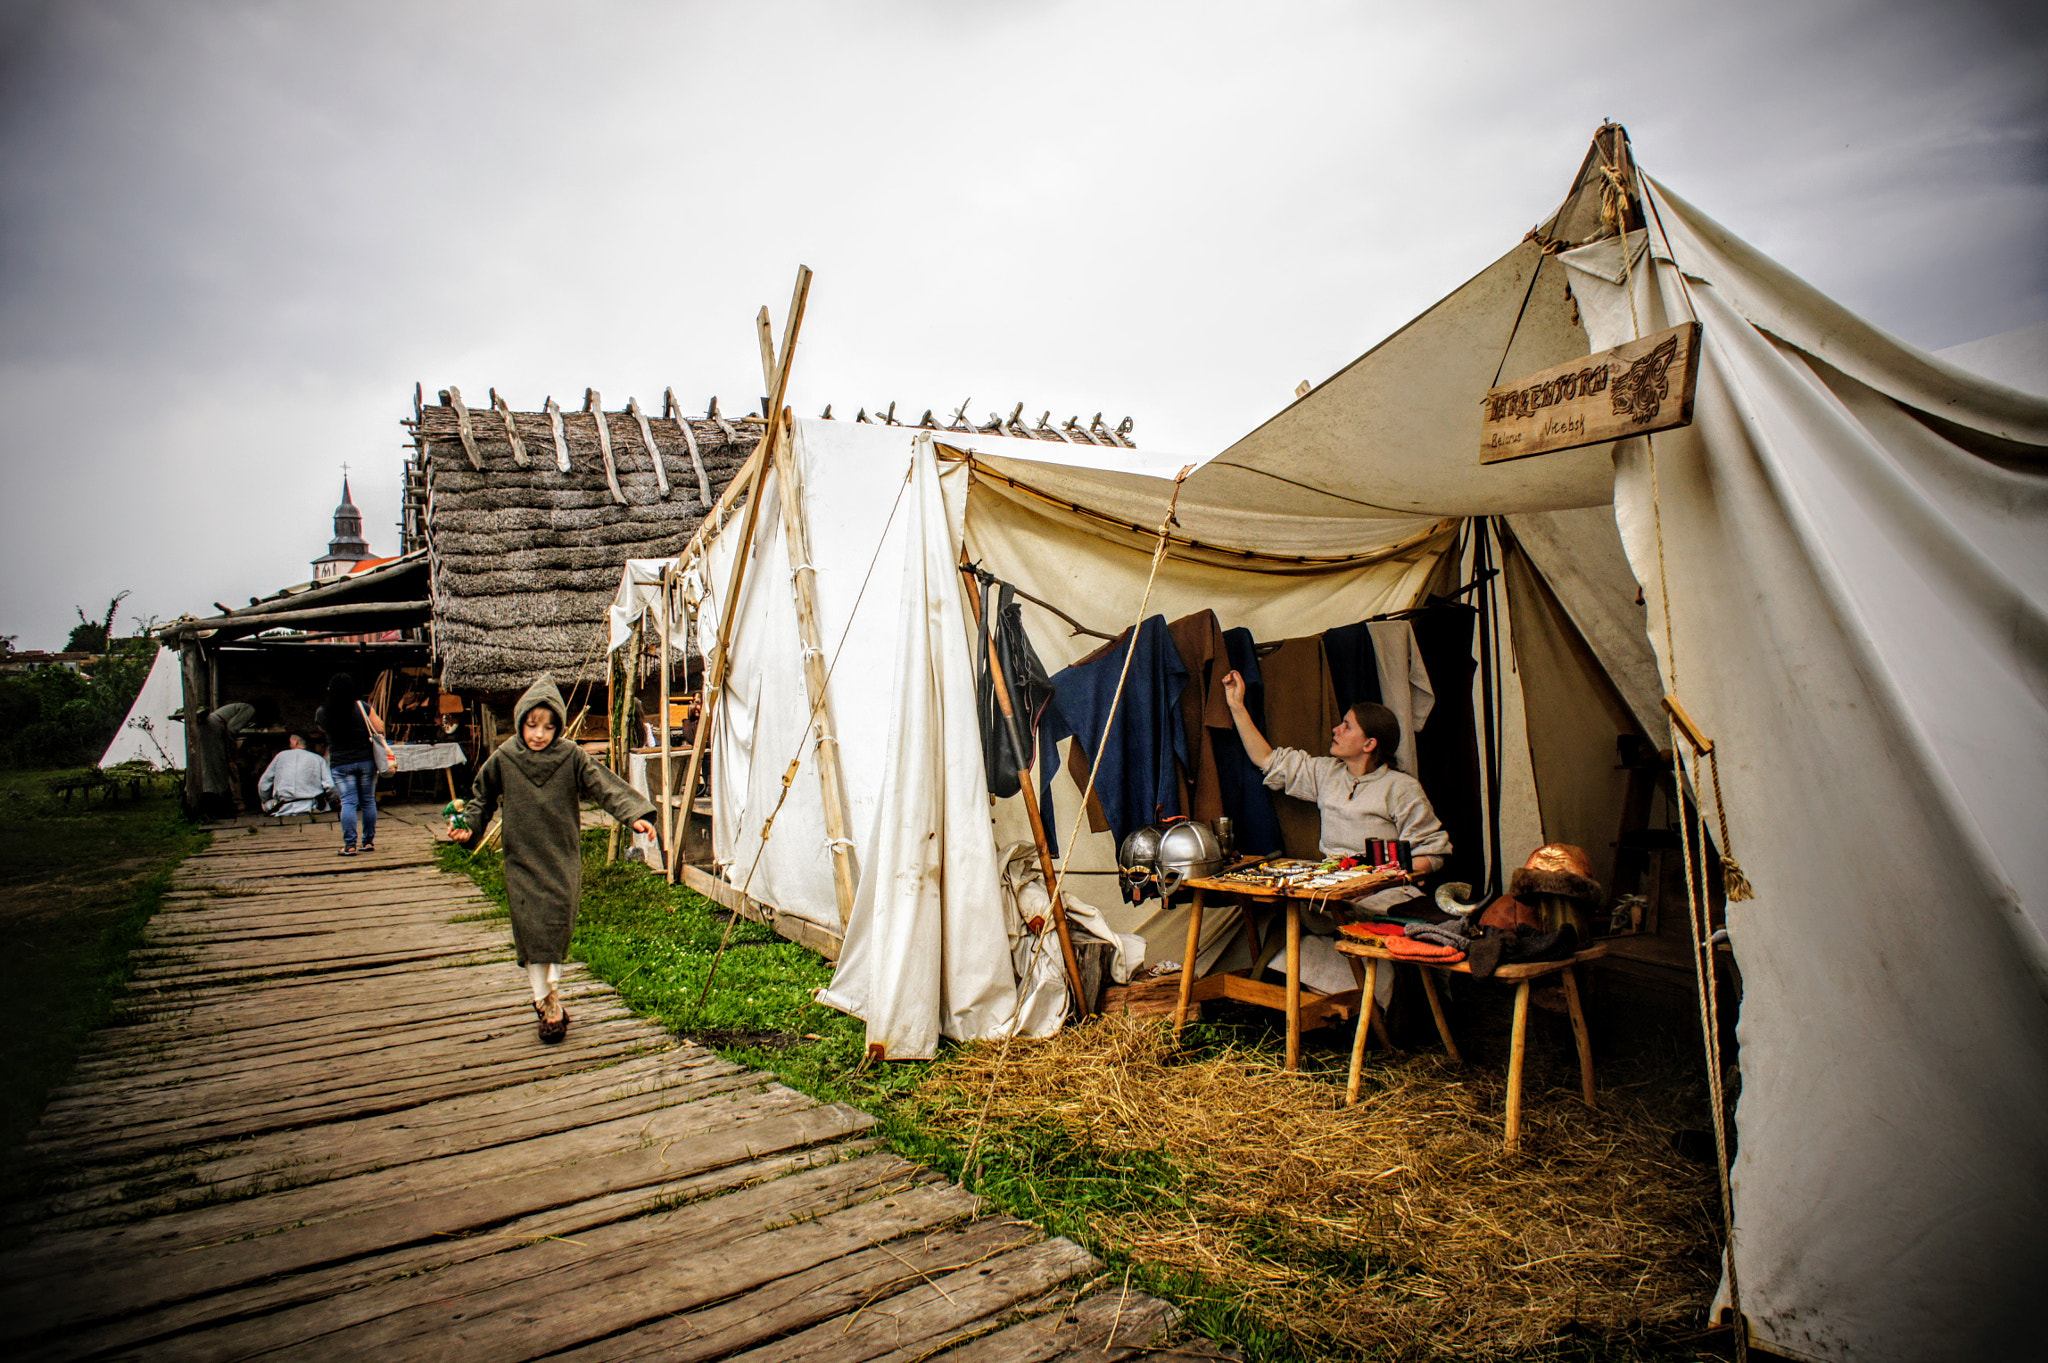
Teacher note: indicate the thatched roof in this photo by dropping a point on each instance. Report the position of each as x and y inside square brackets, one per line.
[526, 557]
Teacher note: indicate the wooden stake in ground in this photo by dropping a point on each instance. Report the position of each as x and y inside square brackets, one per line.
[668, 821]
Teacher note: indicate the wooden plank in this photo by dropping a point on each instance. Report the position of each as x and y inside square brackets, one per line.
[671, 408]
[824, 741]
[504, 410]
[800, 1300]
[1633, 389]
[364, 1290]
[1102, 1329]
[614, 1292]
[462, 428]
[919, 1322]
[95, 1292]
[554, 412]
[593, 403]
[804, 933]
[653, 450]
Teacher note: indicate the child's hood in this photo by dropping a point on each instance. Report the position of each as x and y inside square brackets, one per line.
[542, 692]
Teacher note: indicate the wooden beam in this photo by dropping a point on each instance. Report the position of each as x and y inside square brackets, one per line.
[821, 940]
[554, 412]
[272, 619]
[796, 537]
[504, 409]
[767, 331]
[476, 460]
[593, 403]
[653, 450]
[672, 408]
[720, 664]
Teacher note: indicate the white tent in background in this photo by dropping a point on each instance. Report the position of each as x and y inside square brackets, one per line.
[1843, 574]
[149, 734]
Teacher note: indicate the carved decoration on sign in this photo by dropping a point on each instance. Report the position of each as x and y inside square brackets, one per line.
[1633, 389]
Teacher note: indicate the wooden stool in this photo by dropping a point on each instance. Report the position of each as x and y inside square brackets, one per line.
[1372, 952]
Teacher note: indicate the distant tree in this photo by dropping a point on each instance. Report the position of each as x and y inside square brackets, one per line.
[93, 636]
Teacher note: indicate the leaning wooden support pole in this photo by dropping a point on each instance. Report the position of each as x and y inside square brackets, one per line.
[716, 668]
[1027, 785]
[796, 537]
[668, 819]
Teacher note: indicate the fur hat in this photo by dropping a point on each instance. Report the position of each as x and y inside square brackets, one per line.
[1557, 868]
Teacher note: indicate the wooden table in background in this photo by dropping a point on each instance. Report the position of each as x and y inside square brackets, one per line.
[1371, 951]
[1241, 986]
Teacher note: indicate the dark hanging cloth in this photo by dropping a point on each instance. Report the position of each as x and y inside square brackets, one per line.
[1447, 746]
[1006, 741]
[1301, 711]
[1354, 665]
[1245, 797]
[1203, 711]
[1146, 748]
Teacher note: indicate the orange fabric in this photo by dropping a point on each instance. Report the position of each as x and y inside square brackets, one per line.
[1509, 913]
[1415, 949]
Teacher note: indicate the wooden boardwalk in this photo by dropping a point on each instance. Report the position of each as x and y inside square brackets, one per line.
[327, 1130]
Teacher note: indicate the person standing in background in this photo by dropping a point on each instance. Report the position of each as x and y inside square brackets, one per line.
[348, 723]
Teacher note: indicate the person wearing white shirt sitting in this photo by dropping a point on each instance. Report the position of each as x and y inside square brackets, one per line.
[297, 781]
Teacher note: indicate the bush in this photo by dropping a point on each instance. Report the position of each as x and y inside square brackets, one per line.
[54, 717]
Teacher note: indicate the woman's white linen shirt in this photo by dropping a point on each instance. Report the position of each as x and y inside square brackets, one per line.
[1383, 803]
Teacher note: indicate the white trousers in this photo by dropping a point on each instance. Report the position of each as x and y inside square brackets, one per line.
[543, 978]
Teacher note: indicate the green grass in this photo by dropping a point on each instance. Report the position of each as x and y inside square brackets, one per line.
[655, 943]
[77, 884]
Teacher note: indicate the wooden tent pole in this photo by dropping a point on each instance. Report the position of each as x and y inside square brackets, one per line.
[796, 536]
[1027, 784]
[668, 821]
[716, 670]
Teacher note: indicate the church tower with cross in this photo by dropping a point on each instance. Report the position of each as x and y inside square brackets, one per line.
[348, 547]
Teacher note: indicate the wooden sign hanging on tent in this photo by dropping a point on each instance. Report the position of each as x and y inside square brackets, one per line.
[1633, 389]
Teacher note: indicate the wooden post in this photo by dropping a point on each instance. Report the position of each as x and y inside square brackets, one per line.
[1294, 986]
[1187, 967]
[192, 673]
[462, 428]
[716, 669]
[1028, 786]
[593, 403]
[554, 411]
[668, 820]
[519, 455]
[1517, 1045]
[1580, 1035]
[796, 537]
[653, 450]
[1367, 990]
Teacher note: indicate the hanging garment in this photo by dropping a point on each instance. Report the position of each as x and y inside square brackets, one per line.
[1403, 683]
[1007, 741]
[1142, 757]
[1447, 746]
[1301, 711]
[1245, 798]
[1199, 641]
[1354, 664]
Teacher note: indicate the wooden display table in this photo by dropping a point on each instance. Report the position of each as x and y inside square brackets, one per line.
[1372, 952]
[1302, 1013]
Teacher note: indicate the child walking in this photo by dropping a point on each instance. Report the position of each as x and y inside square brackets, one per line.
[541, 780]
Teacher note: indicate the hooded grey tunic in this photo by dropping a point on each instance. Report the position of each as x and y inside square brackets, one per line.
[540, 796]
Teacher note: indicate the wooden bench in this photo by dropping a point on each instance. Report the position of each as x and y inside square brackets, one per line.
[1371, 951]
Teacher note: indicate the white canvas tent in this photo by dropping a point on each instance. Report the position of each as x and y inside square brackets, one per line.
[1839, 567]
[149, 734]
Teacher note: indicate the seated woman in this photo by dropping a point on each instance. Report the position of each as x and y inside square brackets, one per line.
[1356, 787]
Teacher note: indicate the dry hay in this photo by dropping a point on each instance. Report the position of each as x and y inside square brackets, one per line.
[1397, 1227]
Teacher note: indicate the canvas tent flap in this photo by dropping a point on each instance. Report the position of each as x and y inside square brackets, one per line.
[928, 950]
[638, 601]
[149, 734]
[1396, 432]
[1856, 607]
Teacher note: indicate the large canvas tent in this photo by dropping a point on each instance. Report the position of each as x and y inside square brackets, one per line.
[1838, 568]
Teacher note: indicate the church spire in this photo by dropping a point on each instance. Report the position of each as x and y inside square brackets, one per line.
[348, 547]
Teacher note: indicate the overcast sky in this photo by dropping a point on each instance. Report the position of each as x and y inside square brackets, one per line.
[232, 235]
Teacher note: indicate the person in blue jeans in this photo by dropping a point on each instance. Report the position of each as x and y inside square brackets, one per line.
[348, 723]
